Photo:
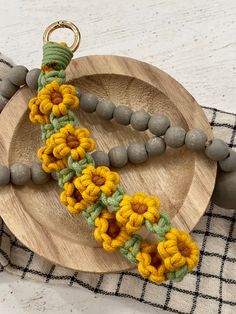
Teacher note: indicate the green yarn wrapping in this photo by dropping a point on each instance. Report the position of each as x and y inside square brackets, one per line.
[57, 55]
[112, 203]
[131, 248]
[178, 275]
[47, 130]
[92, 213]
[65, 175]
[79, 166]
[46, 78]
[57, 123]
[160, 228]
[74, 168]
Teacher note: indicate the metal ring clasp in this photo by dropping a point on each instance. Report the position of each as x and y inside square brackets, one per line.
[64, 24]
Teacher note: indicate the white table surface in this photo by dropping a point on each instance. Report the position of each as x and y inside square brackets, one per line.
[193, 40]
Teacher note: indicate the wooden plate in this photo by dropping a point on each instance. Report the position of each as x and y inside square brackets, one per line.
[183, 180]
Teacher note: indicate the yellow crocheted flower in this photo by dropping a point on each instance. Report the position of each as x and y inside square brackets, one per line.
[73, 199]
[36, 116]
[70, 140]
[93, 181]
[150, 264]
[52, 98]
[134, 209]
[109, 232]
[49, 162]
[178, 250]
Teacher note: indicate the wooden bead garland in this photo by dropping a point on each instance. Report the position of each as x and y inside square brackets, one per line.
[194, 139]
[158, 124]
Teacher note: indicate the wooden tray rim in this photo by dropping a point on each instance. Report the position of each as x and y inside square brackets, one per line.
[108, 64]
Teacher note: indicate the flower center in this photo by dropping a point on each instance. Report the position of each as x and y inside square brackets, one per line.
[56, 98]
[98, 180]
[155, 260]
[77, 195]
[72, 141]
[139, 208]
[113, 229]
[184, 249]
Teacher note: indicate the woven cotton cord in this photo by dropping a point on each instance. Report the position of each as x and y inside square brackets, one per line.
[96, 192]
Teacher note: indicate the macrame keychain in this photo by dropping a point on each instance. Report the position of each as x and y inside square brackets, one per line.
[90, 188]
[96, 191]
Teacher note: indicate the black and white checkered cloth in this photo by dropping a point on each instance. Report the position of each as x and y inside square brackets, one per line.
[210, 288]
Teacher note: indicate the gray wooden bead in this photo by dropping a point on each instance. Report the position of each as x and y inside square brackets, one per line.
[218, 150]
[175, 137]
[100, 158]
[20, 174]
[118, 157]
[224, 194]
[122, 114]
[8, 89]
[32, 78]
[137, 153]
[54, 175]
[4, 175]
[78, 92]
[88, 102]
[158, 124]
[39, 176]
[17, 75]
[3, 102]
[139, 120]
[155, 146]
[229, 164]
[105, 109]
[196, 139]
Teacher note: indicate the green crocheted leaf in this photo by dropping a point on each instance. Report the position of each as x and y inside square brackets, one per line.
[92, 212]
[131, 248]
[161, 228]
[178, 275]
[112, 203]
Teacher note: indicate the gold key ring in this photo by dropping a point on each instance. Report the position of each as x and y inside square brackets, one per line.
[64, 24]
